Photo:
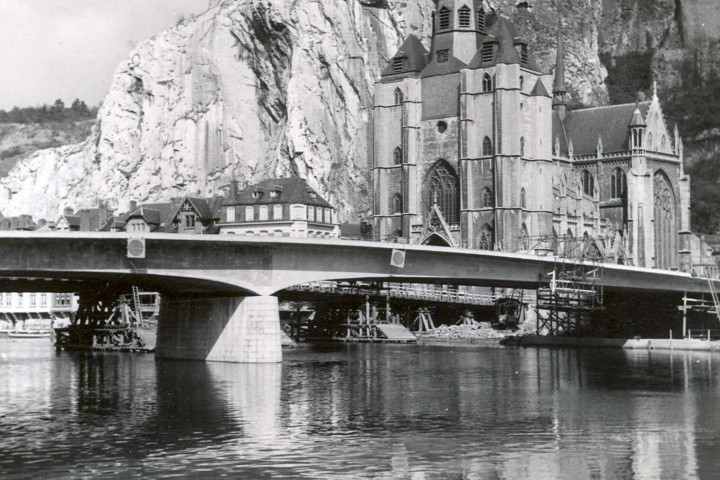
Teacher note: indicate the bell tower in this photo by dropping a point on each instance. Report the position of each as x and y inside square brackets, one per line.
[457, 27]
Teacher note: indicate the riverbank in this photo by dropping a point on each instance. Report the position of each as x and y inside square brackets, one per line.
[624, 343]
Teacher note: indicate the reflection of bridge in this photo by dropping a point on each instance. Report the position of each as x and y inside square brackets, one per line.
[218, 289]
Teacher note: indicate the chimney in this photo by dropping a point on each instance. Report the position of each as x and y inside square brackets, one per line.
[68, 211]
[133, 206]
[233, 189]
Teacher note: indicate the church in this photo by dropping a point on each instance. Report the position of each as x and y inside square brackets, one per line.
[474, 146]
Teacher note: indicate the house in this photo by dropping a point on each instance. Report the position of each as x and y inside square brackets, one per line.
[283, 207]
[21, 222]
[197, 215]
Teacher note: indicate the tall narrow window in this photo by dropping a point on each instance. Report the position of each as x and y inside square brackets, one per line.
[443, 190]
[588, 183]
[522, 146]
[481, 20]
[263, 212]
[487, 147]
[464, 17]
[444, 19]
[277, 212]
[618, 182]
[249, 214]
[487, 83]
[398, 96]
[486, 198]
[397, 204]
[230, 214]
[524, 55]
[397, 156]
[523, 198]
[189, 220]
[522, 82]
[649, 141]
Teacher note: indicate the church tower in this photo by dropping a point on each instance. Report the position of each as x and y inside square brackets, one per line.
[457, 29]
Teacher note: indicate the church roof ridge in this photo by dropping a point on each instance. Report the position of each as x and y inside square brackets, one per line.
[615, 105]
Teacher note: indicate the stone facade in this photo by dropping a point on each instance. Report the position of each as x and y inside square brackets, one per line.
[472, 151]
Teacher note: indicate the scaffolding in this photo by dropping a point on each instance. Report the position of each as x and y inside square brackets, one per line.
[572, 291]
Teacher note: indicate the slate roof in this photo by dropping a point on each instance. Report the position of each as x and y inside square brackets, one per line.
[158, 216]
[584, 126]
[503, 33]
[453, 65]
[292, 190]
[415, 54]
[539, 89]
[559, 85]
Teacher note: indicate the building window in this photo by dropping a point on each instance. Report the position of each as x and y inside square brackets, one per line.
[522, 82]
[523, 198]
[588, 183]
[663, 141]
[263, 212]
[43, 299]
[397, 65]
[481, 20]
[522, 146]
[523, 55]
[275, 193]
[487, 83]
[397, 204]
[486, 198]
[311, 214]
[189, 220]
[397, 156]
[319, 214]
[487, 147]
[277, 212]
[33, 300]
[444, 19]
[484, 241]
[328, 218]
[464, 17]
[487, 52]
[442, 56]
[230, 214]
[618, 182]
[298, 212]
[249, 214]
[649, 141]
[443, 191]
[398, 96]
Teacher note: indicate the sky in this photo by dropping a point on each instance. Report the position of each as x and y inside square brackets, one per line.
[69, 49]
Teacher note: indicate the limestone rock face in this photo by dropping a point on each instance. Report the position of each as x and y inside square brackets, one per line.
[259, 88]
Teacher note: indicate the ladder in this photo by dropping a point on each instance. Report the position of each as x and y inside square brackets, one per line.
[136, 304]
[713, 292]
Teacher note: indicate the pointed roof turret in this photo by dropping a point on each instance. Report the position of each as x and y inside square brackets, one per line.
[539, 89]
[504, 31]
[637, 119]
[559, 85]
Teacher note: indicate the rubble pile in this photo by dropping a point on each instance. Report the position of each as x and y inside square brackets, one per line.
[456, 332]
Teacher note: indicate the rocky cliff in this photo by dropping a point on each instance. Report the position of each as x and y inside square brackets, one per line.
[257, 88]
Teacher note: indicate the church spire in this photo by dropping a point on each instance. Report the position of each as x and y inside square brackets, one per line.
[559, 90]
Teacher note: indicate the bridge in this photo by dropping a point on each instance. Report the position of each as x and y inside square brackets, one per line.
[219, 301]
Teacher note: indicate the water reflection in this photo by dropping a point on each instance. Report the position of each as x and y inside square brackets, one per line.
[363, 411]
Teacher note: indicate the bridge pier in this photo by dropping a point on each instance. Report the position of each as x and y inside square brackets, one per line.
[237, 329]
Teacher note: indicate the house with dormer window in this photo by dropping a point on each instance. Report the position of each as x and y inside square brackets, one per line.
[281, 207]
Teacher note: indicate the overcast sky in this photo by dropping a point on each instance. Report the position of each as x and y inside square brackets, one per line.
[69, 49]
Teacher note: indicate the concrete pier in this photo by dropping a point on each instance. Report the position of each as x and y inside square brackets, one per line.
[237, 329]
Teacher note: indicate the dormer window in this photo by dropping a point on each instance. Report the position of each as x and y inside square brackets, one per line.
[444, 19]
[257, 194]
[275, 193]
[313, 195]
[487, 52]
[397, 65]
[464, 17]
[442, 56]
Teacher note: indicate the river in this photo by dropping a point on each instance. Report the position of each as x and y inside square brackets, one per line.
[361, 411]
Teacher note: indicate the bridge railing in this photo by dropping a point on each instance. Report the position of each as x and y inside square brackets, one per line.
[704, 334]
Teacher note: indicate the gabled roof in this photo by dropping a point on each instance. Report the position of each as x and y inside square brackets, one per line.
[610, 123]
[290, 190]
[156, 215]
[415, 58]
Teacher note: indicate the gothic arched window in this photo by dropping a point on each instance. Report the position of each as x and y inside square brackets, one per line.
[444, 19]
[443, 190]
[398, 96]
[481, 20]
[523, 198]
[618, 182]
[522, 81]
[464, 17]
[487, 146]
[397, 204]
[486, 198]
[397, 156]
[484, 238]
[522, 146]
[588, 183]
[487, 83]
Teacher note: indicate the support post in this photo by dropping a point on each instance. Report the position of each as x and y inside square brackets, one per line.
[685, 315]
[237, 329]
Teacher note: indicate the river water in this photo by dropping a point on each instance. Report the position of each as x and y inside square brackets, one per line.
[361, 411]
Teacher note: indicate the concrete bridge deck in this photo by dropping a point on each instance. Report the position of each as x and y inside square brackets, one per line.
[219, 302]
